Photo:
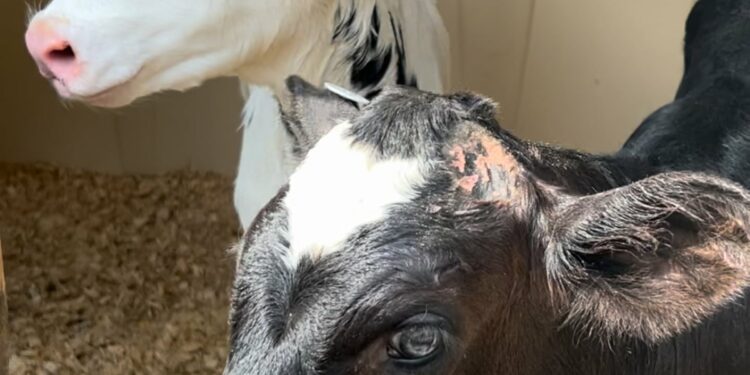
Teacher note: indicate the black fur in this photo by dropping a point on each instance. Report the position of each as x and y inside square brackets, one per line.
[707, 127]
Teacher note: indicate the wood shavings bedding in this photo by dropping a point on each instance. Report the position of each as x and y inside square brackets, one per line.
[116, 274]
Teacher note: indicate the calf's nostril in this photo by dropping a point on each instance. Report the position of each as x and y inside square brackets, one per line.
[61, 55]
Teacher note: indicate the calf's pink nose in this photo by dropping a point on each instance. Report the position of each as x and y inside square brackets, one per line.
[54, 54]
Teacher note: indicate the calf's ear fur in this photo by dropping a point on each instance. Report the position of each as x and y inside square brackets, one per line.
[651, 259]
[312, 113]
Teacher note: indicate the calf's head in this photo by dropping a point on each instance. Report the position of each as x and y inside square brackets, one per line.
[417, 238]
[108, 53]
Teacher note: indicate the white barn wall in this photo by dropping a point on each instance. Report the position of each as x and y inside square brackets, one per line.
[596, 68]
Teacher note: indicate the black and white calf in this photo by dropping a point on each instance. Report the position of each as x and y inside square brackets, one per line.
[419, 237]
[109, 53]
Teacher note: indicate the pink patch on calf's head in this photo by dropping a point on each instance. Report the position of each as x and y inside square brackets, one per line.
[477, 158]
[459, 158]
[467, 183]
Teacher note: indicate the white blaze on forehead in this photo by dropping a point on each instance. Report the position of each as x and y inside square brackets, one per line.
[339, 188]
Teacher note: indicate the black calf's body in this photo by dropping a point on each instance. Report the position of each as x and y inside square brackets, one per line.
[706, 127]
[706, 130]
[418, 237]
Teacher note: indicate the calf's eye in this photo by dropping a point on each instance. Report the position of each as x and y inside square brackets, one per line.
[415, 344]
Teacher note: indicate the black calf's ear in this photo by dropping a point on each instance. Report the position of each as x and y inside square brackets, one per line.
[313, 112]
[654, 258]
[479, 107]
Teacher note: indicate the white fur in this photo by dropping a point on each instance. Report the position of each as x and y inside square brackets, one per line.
[132, 48]
[346, 185]
[265, 156]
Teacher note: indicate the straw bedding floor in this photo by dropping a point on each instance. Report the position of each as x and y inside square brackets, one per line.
[116, 274]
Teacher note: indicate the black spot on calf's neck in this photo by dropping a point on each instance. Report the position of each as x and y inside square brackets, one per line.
[372, 49]
[369, 63]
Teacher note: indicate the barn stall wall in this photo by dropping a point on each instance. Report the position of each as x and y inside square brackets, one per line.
[579, 73]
